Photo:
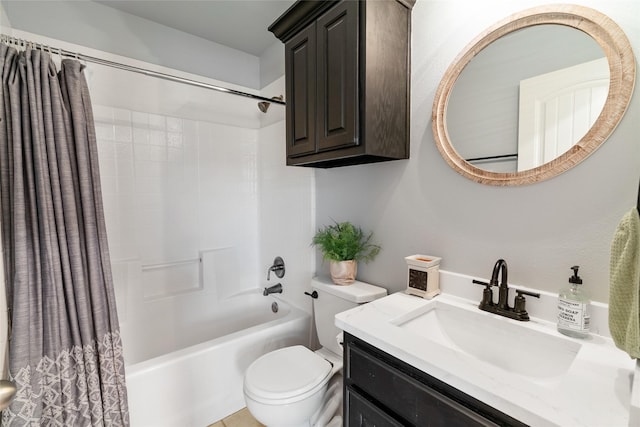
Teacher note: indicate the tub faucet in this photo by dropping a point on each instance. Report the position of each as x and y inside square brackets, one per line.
[518, 311]
[275, 289]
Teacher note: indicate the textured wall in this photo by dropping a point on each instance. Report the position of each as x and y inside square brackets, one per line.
[423, 206]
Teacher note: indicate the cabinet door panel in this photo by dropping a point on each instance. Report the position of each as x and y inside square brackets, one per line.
[337, 87]
[418, 403]
[300, 64]
[362, 413]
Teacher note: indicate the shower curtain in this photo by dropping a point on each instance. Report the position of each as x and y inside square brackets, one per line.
[65, 353]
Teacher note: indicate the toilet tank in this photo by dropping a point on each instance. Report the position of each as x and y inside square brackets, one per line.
[333, 299]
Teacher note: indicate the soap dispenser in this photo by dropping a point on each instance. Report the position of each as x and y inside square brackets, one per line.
[573, 308]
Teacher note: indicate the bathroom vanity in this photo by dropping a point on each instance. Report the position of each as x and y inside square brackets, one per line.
[412, 361]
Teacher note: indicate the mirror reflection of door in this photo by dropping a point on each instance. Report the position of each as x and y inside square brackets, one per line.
[482, 111]
[557, 109]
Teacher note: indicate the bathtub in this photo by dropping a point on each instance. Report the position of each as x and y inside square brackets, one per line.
[201, 383]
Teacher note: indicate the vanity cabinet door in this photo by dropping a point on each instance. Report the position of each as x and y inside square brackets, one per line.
[300, 69]
[363, 413]
[337, 62]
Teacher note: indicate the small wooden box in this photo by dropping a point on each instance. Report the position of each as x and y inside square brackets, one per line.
[423, 275]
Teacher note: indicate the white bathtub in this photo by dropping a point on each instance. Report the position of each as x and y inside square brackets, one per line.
[202, 382]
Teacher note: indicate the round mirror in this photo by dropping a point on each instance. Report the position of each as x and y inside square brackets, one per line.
[533, 95]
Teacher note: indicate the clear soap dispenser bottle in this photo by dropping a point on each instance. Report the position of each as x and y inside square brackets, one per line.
[573, 308]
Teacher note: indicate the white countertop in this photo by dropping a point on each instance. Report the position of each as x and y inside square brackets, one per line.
[595, 391]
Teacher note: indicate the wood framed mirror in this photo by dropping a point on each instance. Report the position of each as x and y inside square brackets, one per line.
[468, 140]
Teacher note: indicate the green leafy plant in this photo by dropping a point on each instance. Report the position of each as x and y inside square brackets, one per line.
[344, 241]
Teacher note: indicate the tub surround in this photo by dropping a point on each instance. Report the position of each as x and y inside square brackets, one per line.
[595, 390]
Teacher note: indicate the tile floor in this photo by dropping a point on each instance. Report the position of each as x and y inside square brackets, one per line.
[242, 418]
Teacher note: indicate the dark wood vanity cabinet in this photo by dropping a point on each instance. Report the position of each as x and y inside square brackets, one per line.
[347, 81]
[381, 391]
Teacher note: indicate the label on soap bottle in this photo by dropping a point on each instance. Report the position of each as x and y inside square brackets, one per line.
[573, 315]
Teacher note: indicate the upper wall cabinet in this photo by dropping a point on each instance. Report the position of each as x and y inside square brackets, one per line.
[347, 81]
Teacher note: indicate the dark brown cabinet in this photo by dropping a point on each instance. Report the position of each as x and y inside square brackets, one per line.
[381, 390]
[347, 81]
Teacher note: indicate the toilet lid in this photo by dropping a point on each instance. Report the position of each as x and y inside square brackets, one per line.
[286, 373]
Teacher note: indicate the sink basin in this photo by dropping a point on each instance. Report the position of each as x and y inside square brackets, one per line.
[506, 344]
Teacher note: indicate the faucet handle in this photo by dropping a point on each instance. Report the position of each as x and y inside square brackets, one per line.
[487, 284]
[487, 294]
[519, 303]
[531, 294]
[277, 268]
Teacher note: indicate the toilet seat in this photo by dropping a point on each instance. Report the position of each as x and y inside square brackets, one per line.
[286, 375]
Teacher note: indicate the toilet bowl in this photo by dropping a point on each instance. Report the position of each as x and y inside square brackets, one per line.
[288, 387]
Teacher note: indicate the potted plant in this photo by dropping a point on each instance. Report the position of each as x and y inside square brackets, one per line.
[344, 244]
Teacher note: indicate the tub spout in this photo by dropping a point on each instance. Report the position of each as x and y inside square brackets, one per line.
[275, 289]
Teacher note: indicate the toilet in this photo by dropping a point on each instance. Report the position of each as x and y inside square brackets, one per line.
[288, 387]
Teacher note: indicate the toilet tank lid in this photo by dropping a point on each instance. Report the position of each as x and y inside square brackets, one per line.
[357, 292]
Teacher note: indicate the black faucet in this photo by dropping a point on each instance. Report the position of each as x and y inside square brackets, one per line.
[503, 294]
[518, 311]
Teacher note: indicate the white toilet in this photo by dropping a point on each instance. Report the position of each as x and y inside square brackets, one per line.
[287, 387]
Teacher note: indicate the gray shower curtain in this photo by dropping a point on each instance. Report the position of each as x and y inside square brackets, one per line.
[65, 353]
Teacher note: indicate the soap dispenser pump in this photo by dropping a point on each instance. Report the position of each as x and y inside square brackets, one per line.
[573, 308]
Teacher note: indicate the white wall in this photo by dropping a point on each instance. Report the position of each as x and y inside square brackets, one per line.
[5, 25]
[272, 64]
[423, 206]
[92, 24]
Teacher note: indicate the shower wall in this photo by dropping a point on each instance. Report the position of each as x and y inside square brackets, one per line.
[198, 202]
[181, 205]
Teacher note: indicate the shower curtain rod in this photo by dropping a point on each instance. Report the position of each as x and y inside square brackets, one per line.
[79, 56]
